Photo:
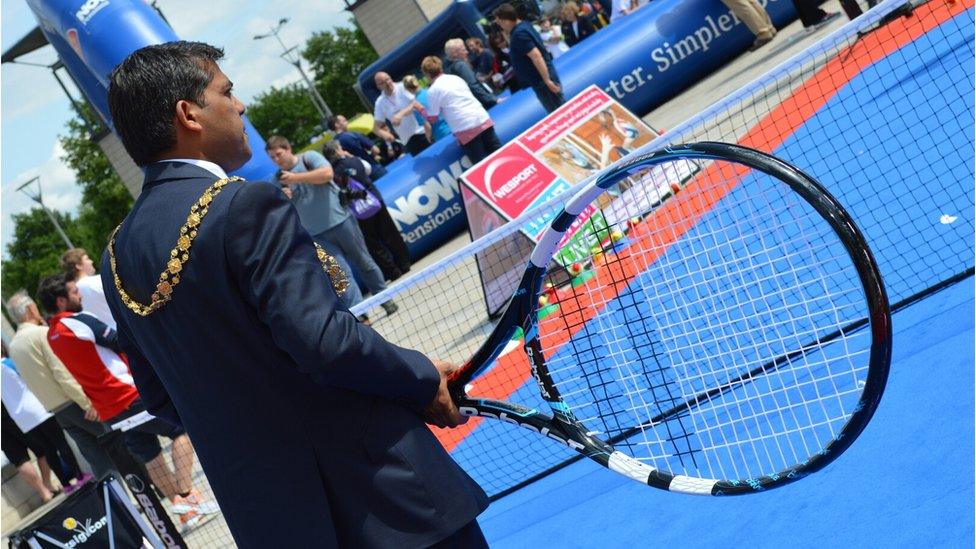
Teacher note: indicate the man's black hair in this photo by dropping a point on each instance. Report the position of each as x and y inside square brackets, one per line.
[50, 289]
[507, 12]
[331, 122]
[144, 89]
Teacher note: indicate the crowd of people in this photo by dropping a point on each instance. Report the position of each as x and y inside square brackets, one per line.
[65, 372]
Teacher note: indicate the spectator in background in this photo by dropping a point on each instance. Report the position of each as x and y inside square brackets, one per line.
[503, 75]
[438, 130]
[620, 9]
[457, 64]
[481, 59]
[812, 16]
[317, 200]
[596, 11]
[531, 60]
[755, 17]
[390, 149]
[394, 106]
[54, 386]
[307, 182]
[552, 38]
[575, 28]
[449, 98]
[382, 237]
[91, 352]
[356, 143]
[79, 267]
[15, 445]
[24, 414]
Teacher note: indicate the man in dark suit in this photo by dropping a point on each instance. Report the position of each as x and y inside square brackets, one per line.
[575, 28]
[309, 425]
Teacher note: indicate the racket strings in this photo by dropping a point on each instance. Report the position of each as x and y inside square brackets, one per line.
[755, 407]
[684, 311]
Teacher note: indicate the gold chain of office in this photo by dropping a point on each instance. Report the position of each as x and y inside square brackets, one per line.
[180, 255]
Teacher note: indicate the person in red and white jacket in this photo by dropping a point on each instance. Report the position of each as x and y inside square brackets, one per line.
[89, 350]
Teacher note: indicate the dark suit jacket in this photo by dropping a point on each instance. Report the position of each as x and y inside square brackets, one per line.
[304, 420]
[584, 29]
[461, 68]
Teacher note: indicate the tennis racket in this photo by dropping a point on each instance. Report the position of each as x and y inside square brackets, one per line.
[726, 330]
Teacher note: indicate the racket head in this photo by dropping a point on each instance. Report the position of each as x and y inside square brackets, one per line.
[734, 336]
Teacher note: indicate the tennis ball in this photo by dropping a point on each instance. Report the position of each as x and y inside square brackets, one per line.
[575, 269]
[616, 235]
[543, 300]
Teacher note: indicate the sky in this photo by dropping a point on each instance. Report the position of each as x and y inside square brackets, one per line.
[34, 109]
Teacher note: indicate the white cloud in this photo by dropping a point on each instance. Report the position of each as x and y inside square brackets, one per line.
[254, 65]
[59, 192]
[22, 94]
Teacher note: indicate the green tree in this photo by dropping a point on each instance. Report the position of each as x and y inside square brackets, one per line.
[286, 111]
[36, 249]
[337, 57]
[104, 199]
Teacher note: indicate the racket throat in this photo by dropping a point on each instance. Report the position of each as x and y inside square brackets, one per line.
[537, 364]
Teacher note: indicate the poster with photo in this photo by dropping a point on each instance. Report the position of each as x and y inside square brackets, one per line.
[580, 138]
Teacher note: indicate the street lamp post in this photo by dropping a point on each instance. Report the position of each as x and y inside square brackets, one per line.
[37, 197]
[317, 101]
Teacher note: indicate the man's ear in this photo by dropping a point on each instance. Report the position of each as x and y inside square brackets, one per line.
[187, 115]
[60, 302]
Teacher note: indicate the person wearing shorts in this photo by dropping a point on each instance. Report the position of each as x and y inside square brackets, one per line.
[15, 445]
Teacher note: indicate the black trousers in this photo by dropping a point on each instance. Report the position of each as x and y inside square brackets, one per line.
[85, 434]
[417, 143]
[550, 100]
[482, 145]
[385, 244]
[809, 13]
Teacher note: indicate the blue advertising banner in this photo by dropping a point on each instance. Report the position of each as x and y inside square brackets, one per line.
[641, 61]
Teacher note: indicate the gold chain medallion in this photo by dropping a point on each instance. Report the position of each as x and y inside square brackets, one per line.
[340, 282]
[180, 254]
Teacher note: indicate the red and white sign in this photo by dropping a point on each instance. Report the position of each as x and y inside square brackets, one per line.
[511, 179]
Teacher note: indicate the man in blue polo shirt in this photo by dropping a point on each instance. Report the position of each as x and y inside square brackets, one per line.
[530, 58]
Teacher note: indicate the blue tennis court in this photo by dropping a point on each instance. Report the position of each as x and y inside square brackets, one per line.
[908, 480]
